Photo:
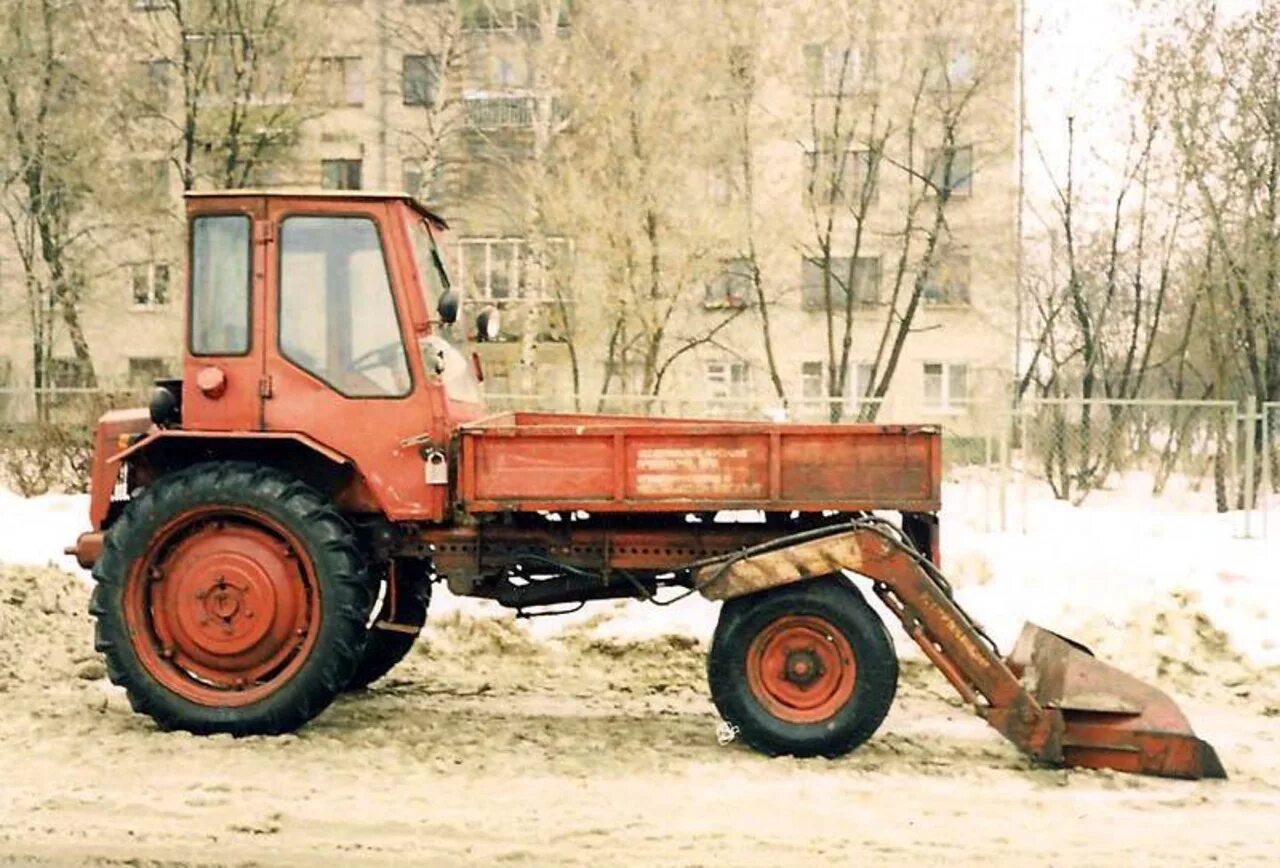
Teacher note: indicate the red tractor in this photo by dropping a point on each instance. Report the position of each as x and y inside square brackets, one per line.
[267, 534]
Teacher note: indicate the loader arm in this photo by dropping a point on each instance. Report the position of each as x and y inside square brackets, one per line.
[1051, 697]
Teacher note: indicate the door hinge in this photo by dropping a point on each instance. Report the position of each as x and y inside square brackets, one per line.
[264, 386]
[265, 230]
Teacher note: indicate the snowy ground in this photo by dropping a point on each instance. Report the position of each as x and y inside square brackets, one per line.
[592, 742]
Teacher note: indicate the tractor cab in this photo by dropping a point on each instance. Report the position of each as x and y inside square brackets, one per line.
[331, 314]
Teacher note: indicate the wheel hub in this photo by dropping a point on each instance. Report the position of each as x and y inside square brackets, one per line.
[801, 668]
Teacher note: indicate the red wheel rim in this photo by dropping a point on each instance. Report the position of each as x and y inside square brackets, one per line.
[223, 607]
[801, 669]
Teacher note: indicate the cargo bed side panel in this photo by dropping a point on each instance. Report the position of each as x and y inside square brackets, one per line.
[632, 465]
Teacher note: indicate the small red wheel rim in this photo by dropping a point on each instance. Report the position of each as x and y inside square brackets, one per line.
[223, 607]
[801, 669]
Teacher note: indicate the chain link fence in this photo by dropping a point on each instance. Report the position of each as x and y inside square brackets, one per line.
[1080, 448]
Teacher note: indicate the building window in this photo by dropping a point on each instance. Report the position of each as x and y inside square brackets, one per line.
[68, 373]
[948, 281]
[727, 379]
[946, 387]
[835, 175]
[506, 14]
[156, 76]
[950, 64]
[420, 181]
[150, 282]
[421, 77]
[144, 371]
[734, 286]
[213, 57]
[342, 80]
[500, 269]
[340, 174]
[488, 112]
[813, 380]
[838, 70]
[866, 281]
[951, 170]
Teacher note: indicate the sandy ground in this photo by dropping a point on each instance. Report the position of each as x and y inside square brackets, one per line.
[489, 747]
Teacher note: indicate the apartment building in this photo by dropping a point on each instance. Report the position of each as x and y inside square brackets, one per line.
[383, 71]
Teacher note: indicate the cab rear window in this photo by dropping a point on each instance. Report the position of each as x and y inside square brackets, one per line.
[219, 294]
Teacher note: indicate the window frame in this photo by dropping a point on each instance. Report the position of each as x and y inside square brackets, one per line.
[462, 274]
[950, 258]
[191, 279]
[729, 367]
[347, 163]
[713, 299]
[344, 65]
[948, 405]
[819, 303]
[951, 188]
[411, 388]
[429, 64]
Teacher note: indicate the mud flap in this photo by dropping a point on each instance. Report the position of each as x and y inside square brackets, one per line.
[1111, 719]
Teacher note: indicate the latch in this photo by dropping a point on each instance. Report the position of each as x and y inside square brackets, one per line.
[436, 469]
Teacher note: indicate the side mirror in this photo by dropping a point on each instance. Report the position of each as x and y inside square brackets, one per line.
[448, 307]
[487, 326]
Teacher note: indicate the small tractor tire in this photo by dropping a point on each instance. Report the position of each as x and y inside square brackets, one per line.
[806, 669]
[230, 598]
[386, 648]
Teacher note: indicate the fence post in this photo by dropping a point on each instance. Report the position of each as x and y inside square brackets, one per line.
[1248, 493]
[1266, 469]
[1023, 452]
[1006, 433]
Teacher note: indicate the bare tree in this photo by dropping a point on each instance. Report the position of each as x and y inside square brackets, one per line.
[876, 125]
[646, 113]
[54, 118]
[245, 71]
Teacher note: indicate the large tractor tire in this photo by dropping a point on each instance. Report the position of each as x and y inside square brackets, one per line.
[805, 669]
[388, 644]
[231, 598]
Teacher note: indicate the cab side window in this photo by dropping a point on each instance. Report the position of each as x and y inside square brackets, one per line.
[220, 285]
[337, 316]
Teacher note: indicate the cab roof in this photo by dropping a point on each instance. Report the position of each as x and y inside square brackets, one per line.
[333, 195]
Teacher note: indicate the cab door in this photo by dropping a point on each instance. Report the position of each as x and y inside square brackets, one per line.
[225, 332]
[338, 365]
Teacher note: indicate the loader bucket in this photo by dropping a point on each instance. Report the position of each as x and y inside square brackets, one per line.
[1111, 720]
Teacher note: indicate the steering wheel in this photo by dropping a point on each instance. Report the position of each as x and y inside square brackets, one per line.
[378, 357]
[382, 357]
